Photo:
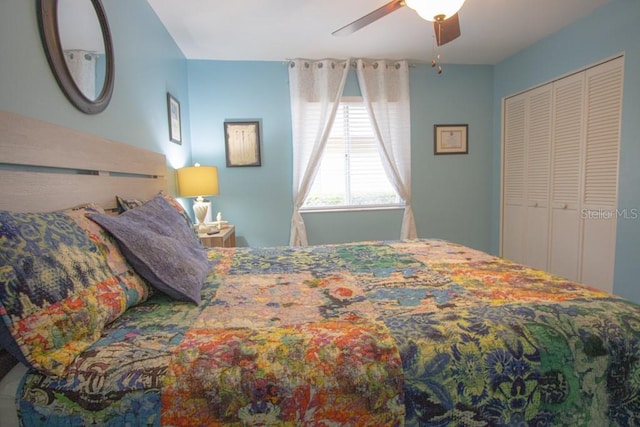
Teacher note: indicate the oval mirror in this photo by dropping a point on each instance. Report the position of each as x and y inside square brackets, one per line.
[77, 42]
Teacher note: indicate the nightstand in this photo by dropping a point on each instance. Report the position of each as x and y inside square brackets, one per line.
[226, 238]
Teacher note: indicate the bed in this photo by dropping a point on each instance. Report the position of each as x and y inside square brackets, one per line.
[423, 332]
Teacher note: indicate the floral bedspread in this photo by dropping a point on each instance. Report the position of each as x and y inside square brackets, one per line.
[422, 333]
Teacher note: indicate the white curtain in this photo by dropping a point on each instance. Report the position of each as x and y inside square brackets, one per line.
[82, 66]
[385, 89]
[315, 88]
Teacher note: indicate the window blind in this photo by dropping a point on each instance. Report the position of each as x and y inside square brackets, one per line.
[351, 172]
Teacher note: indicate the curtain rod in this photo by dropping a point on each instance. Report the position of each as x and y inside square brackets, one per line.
[352, 62]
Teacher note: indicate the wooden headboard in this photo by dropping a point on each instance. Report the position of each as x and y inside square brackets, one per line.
[46, 167]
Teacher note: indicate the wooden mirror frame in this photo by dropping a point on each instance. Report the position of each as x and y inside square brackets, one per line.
[47, 11]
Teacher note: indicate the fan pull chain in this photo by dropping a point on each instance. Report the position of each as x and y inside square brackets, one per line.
[433, 51]
[435, 55]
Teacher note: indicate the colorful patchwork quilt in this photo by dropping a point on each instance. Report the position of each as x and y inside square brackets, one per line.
[417, 333]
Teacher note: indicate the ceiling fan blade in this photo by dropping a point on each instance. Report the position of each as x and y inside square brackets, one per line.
[447, 30]
[351, 28]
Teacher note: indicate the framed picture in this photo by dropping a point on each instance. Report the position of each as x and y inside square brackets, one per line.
[175, 127]
[450, 139]
[242, 143]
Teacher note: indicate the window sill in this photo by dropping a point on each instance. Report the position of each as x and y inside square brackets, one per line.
[352, 208]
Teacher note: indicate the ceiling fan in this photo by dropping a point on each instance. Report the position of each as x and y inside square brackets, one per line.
[443, 13]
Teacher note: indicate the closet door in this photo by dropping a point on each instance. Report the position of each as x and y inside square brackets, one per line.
[514, 197]
[560, 175]
[537, 168]
[526, 177]
[564, 253]
[600, 196]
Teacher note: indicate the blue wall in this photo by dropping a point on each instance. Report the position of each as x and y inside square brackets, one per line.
[148, 63]
[608, 31]
[256, 199]
[451, 194]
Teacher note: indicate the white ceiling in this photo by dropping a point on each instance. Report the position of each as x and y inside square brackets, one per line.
[274, 30]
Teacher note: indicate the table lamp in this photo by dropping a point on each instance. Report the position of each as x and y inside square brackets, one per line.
[198, 181]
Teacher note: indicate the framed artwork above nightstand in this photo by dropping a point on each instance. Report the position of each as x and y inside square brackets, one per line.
[224, 238]
[242, 143]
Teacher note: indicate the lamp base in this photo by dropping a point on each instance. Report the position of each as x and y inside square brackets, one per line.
[200, 209]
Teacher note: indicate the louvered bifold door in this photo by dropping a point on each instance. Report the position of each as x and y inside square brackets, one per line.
[537, 167]
[514, 202]
[600, 194]
[568, 99]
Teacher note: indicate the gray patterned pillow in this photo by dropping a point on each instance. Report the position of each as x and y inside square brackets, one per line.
[161, 247]
[126, 204]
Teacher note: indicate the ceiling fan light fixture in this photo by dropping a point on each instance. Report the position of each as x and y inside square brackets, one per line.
[431, 10]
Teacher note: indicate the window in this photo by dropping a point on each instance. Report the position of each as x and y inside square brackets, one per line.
[351, 175]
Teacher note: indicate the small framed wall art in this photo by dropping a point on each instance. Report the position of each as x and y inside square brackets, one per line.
[242, 143]
[450, 139]
[175, 126]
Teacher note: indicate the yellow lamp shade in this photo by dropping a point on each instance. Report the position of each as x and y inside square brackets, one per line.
[195, 181]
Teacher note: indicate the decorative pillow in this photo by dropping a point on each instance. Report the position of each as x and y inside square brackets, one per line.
[161, 247]
[127, 204]
[110, 249]
[62, 279]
